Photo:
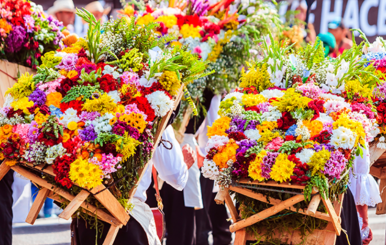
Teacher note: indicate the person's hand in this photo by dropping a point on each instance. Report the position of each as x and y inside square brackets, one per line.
[369, 238]
[200, 159]
[189, 156]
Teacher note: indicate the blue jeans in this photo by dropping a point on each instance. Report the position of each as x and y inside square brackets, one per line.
[48, 204]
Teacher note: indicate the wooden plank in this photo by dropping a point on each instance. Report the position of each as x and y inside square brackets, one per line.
[273, 201]
[375, 152]
[266, 213]
[241, 237]
[4, 169]
[271, 183]
[111, 235]
[108, 200]
[381, 207]
[102, 215]
[330, 237]
[331, 211]
[221, 194]
[48, 169]
[232, 208]
[37, 206]
[74, 205]
[314, 204]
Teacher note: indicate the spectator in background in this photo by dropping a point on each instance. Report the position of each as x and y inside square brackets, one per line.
[309, 34]
[64, 11]
[329, 43]
[340, 32]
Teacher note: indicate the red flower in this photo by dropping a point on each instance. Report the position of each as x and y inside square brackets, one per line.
[82, 61]
[108, 83]
[61, 169]
[153, 88]
[72, 145]
[189, 19]
[75, 104]
[317, 106]
[322, 138]
[144, 106]
[286, 121]
[237, 136]
[253, 108]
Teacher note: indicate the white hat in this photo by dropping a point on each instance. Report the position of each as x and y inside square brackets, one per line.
[97, 6]
[61, 5]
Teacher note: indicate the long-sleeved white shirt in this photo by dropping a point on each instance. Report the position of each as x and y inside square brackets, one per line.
[170, 166]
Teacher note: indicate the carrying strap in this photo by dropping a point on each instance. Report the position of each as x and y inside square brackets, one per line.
[157, 195]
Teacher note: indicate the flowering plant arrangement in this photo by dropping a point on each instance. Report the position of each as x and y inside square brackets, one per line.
[90, 111]
[26, 34]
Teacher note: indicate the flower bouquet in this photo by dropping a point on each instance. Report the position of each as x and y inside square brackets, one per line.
[90, 119]
[296, 122]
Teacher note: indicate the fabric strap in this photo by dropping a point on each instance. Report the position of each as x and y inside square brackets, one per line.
[157, 195]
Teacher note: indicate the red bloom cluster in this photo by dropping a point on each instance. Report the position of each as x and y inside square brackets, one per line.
[322, 138]
[237, 136]
[210, 30]
[299, 177]
[381, 109]
[14, 147]
[75, 104]
[189, 19]
[286, 121]
[144, 105]
[19, 8]
[49, 138]
[153, 88]
[61, 169]
[108, 83]
[317, 106]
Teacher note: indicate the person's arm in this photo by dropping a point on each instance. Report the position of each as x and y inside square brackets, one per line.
[170, 164]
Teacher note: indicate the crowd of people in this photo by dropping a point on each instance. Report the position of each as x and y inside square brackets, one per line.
[190, 211]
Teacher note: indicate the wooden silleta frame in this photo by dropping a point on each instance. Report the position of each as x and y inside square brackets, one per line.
[326, 236]
[116, 215]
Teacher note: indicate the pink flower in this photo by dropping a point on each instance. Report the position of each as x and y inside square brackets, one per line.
[275, 144]
[197, 50]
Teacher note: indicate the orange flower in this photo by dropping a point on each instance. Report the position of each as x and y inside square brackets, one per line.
[98, 156]
[85, 154]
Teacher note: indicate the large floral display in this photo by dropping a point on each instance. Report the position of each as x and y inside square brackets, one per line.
[299, 119]
[25, 33]
[91, 112]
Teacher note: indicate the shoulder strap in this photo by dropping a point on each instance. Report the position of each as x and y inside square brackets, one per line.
[157, 195]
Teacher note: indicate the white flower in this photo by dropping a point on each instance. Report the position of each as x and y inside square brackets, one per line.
[324, 118]
[101, 124]
[8, 100]
[305, 155]
[302, 130]
[344, 66]
[272, 93]
[160, 103]
[376, 47]
[237, 95]
[146, 83]
[69, 115]
[335, 106]
[343, 138]
[53, 152]
[330, 68]
[331, 97]
[331, 80]
[253, 134]
[272, 115]
[155, 54]
[111, 70]
[205, 50]
[210, 170]
[115, 96]
[215, 142]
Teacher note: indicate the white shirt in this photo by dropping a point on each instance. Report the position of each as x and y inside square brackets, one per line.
[170, 166]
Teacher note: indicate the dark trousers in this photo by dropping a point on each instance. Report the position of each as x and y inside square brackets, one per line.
[212, 217]
[132, 233]
[6, 209]
[179, 220]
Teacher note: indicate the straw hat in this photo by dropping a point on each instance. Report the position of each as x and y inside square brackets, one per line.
[97, 7]
[61, 5]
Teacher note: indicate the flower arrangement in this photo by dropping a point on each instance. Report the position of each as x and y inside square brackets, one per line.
[90, 111]
[26, 34]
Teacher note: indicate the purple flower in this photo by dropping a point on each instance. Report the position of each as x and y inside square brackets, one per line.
[33, 132]
[267, 164]
[245, 144]
[16, 39]
[38, 97]
[88, 133]
[121, 127]
[263, 107]
[320, 147]
[252, 124]
[89, 116]
[335, 165]
[29, 23]
[236, 125]
[68, 62]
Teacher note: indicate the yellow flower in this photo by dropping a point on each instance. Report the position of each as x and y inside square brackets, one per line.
[81, 43]
[124, 118]
[291, 101]
[217, 49]
[126, 146]
[40, 118]
[228, 152]
[5, 26]
[267, 136]
[113, 120]
[22, 104]
[120, 109]
[355, 126]
[188, 30]
[252, 99]
[66, 137]
[168, 20]
[170, 82]
[72, 74]
[103, 104]
[176, 43]
[318, 160]
[72, 126]
[282, 169]
[7, 129]
[267, 125]
[219, 127]
[146, 19]
[1, 156]
[136, 121]
[355, 87]
[256, 77]
[254, 169]
[85, 174]
[72, 50]
[54, 99]
[9, 162]
[23, 88]
[63, 72]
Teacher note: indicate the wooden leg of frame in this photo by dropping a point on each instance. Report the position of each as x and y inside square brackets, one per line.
[37, 205]
[331, 211]
[232, 208]
[111, 235]
[314, 204]
[381, 207]
[266, 213]
[241, 237]
[221, 194]
[74, 205]
[4, 169]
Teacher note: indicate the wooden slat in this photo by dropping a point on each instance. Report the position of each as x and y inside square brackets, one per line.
[266, 213]
[314, 204]
[221, 194]
[273, 201]
[375, 153]
[271, 183]
[330, 238]
[4, 169]
[74, 205]
[331, 211]
[37, 206]
[102, 215]
[111, 235]
[232, 208]
[108, 200]
[240, 237]
[381, 207]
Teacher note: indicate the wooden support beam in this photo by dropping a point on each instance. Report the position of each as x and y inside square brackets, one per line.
[272, 184]
[108, 200]
[335, 220]
[266, 213]
[4, 169]
[240, 237]
[221, 194]
[37, 206]
[74, 205]
[381, 207]
[314, 204]
[111, 235]
[232, 208]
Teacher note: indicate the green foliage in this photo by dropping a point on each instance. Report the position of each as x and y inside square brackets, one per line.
[288, 146]
[85, 92]
[45, 75]
[321, 183]
[52, 125]
[313, 54]
[104, 138]
[90, 77]
[131, 60]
